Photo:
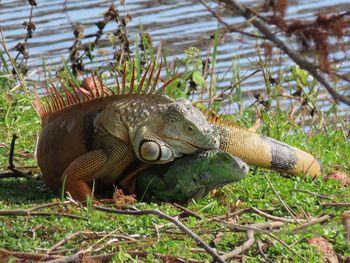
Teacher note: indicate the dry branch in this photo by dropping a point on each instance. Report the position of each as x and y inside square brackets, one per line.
[13, 172]
[261, 250]
[175, 221]
[313, 222]
[250, 229]
[25, 255]
[345, 205]
[187, 211]
[268, 216]
[312, 193]
[288, 209]
[31, 213]
[235, 8]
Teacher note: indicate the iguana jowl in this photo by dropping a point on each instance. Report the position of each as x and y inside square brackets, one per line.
[100, 135]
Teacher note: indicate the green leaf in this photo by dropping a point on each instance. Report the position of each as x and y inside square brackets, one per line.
[198, 78]
[299, 74]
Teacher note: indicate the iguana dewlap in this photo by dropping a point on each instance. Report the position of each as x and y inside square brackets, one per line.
[98, 136]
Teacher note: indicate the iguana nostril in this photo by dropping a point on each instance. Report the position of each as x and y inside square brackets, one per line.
[245, 167]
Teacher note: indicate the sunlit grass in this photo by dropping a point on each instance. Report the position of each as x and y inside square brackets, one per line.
[327, 142]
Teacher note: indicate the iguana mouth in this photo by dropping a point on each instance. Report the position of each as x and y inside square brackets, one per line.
[196, 147]
[192, 145]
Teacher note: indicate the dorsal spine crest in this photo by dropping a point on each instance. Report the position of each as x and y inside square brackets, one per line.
[54, 100]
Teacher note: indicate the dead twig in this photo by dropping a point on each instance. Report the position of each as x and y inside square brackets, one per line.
[345, 205]
[90, 248]
[241, 249]
[250, 229]
[231, 28]
[61, 242]
[312, 193]
[175, 221]
[142, 254]
[346, 224]
[187, 211]
[261, 251]
[232, 87]
[13, 172]
[38, 207]
[12, 150]
[288, 209]
[26, 255]
[88, 235]
[79, 257]
[31, 213]
[313, 222]
[293, 54]
[268, 216]
[240, 212]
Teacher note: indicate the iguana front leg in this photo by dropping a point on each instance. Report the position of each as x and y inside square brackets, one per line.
[105, 164]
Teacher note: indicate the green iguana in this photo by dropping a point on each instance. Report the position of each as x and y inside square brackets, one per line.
[96, 134]
[190, 177]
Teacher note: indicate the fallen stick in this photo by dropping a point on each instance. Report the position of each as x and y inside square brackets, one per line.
[31, 213]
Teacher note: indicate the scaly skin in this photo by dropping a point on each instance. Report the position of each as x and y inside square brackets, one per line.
[101, 137]
[262, 151]
[190, 177]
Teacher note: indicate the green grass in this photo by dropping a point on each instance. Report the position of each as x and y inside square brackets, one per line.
[37, 234]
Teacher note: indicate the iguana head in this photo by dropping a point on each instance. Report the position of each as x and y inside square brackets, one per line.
[187, 130]
[177, 130]
[205, 171]
[221, 168]
[190, 177]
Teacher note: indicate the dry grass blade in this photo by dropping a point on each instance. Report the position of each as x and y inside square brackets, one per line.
[13, 63]
[268, 216]
[288, 209]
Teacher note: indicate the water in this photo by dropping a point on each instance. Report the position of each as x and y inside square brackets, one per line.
[177, 24]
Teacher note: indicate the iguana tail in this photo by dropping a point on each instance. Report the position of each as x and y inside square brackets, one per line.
[259, 150]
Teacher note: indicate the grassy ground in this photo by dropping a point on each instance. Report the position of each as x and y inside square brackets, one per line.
[123, 234]
[151, 239]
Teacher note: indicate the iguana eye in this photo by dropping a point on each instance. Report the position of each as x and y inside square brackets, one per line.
[204, 178]
[150, 151]
[189, 128]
